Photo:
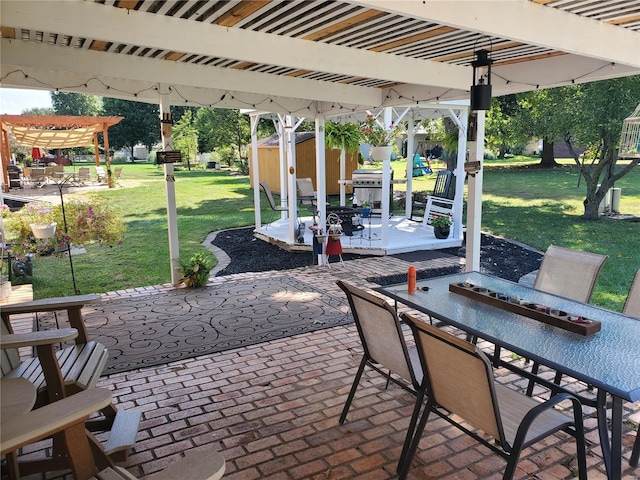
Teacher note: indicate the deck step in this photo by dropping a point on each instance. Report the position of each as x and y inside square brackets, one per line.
[123, 433]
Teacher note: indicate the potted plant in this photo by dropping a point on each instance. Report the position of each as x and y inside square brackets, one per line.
[195, 272]
[342, 136]
[441, 226]
[381, 139]
[365, 208]
[83, 223]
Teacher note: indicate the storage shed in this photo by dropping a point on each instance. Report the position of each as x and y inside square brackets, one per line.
[269, 162]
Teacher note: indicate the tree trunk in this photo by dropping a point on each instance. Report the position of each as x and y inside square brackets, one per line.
[591, 207]
[548, 159]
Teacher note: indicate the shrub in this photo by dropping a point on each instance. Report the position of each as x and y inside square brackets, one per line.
[86, 222]
[195, 272]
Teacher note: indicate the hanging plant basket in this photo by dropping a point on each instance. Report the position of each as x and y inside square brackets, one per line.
[381, 154]
[43, 230]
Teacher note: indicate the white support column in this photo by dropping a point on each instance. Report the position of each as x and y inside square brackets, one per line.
[386, 184]
[343, 173]
[321, 173]
[170, 189]
[474, 204]
[290, 143]
[282, 142]
[409, 172]
[458, 204]
[255, 119]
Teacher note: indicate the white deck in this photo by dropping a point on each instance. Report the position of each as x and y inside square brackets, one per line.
[404, 235]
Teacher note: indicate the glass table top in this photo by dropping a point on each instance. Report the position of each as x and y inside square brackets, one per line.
[608, 359]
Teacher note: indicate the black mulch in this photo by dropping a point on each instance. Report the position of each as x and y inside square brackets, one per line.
[498, 257]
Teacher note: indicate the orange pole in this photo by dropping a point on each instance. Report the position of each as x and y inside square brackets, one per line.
[106, 153]
[96, 148]
[5, 153]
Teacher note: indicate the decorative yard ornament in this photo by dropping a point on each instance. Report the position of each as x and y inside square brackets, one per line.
[481, 91]
[630, 137]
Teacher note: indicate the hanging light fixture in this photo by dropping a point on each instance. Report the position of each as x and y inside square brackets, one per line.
[481, 87]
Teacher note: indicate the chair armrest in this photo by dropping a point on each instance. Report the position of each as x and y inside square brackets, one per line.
[21, 430]
[73, 305]
[50, 304]
[34, 339]
[199, 465]
[44, 341]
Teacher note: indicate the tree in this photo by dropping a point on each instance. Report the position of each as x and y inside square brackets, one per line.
[218, 127]
[500, 132]
[547, 114]
[38, 111]
[141, 124]
[185, 137]
[79, 104]
[597, 116]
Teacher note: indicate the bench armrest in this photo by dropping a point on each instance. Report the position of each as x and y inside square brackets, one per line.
[73, 305]
[50, 304]
[21, 430]
[34, 339]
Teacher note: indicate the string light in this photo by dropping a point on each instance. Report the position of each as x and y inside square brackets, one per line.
[268, 100]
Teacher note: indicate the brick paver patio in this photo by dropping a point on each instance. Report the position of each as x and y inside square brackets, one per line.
[272, 409]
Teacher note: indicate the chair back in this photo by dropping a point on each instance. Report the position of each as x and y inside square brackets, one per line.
[9, 357]
[272, 203]
[84, 173]
[380, 332]
[459, 377]
[306, 192]
[632, 305]
[38, 174]
[569, 273]
[444, 187]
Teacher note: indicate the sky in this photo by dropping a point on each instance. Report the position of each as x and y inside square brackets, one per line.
[14, 100]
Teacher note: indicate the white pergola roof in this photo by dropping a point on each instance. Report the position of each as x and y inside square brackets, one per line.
[312, 57]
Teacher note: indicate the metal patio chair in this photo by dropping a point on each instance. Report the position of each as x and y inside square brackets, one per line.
[459, 382]
[567, 273]
[272, 203]
[101, 174]
[307, 196]
[385, 349]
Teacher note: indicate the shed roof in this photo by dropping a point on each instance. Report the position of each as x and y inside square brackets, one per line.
[273, 141]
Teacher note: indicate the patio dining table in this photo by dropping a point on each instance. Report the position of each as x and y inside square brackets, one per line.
[608, 359]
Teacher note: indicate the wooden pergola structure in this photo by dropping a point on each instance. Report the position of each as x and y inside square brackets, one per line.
[55, 131]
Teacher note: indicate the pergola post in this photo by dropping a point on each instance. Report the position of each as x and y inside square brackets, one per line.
[255, 170]
[321, 172]
[170, 188]
[6, 156]
[107, 157]
[474, 204]
[96, 148]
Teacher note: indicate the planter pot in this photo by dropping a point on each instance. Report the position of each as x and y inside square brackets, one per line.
[441, 232]
[43, 230]
[381, 154]
[366, 211]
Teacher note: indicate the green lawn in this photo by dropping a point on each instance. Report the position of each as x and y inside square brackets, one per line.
[536, 207]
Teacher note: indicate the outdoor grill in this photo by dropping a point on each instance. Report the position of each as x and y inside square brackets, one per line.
[367, 186]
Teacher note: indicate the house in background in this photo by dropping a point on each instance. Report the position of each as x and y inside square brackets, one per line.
[269, 162]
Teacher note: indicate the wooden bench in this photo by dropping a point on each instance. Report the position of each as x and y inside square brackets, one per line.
[80, 365]
[82, 453]
[66, 371]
